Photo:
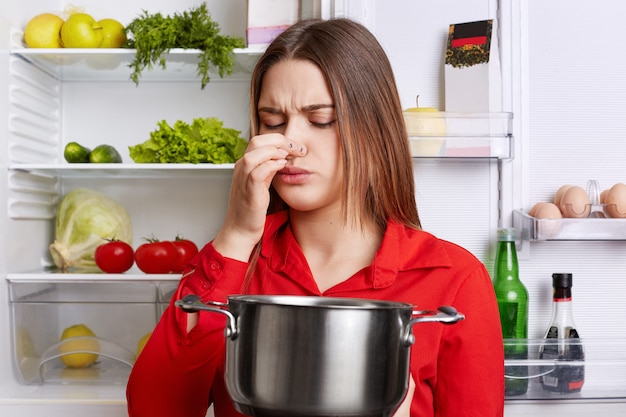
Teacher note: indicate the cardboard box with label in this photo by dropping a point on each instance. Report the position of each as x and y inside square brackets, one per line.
[268, 19]
[473, 81]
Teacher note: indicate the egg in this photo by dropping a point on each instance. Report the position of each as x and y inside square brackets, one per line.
[547, 211]
[559, 194]
[534, 209]
[548, 223]
[615, 201]
[603, 196]
[575, 203]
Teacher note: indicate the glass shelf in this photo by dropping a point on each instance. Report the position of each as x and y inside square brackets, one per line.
[604, 367]
[96, 64]
[129, 171]
[601, 229]
[436, 134]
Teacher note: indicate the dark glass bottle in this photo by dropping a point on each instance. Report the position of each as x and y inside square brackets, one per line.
[512, 298]
[563, 342]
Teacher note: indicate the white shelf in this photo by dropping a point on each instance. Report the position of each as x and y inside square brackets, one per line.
[104, 64]
[131, 170]
[52, 277]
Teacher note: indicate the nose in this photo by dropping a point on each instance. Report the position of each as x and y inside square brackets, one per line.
[294, 128]
[294, 131]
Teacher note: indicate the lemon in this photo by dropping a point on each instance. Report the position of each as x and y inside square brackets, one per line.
[43, 31]
[81, 339]
[142, 342]
[113, 35]
[80, 30]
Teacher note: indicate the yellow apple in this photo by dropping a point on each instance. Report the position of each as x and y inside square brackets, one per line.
[113, 35]
[142, 342]
[43, 31]
[80, 339]
[425, 121]
[80, 30]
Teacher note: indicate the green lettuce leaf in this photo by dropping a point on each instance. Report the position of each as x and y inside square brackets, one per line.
[205, 140]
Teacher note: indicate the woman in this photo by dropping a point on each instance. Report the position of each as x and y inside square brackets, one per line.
[329, 161]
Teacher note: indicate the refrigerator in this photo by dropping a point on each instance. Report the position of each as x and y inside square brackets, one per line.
[560, 121]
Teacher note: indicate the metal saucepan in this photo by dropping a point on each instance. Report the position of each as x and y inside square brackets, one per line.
[317, 356]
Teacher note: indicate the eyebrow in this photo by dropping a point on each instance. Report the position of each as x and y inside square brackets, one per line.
[311, 107]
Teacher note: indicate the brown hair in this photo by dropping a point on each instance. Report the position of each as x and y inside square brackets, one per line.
[378, 168]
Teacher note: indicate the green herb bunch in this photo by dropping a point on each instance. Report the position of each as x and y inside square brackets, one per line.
[153, 35]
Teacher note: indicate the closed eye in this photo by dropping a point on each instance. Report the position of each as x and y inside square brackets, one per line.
[324, 125]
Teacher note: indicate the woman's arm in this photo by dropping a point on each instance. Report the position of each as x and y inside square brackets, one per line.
[174, 374]
[470, 377]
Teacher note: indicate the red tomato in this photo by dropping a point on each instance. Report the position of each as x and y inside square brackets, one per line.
[186, 251]
[114, 257]
[155, 257]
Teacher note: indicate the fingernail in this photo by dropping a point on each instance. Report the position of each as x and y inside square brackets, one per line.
[283, 152]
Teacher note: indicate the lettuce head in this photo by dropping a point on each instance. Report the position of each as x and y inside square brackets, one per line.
[85, 219]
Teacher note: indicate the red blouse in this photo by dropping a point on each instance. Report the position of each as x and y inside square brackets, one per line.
[458, 369]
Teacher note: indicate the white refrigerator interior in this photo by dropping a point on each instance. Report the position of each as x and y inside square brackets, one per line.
[562, 82]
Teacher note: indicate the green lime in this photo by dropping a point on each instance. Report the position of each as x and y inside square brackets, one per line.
[76, 153]
[105, 154]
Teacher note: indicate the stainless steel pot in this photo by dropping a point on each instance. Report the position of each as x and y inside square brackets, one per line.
[317, 356]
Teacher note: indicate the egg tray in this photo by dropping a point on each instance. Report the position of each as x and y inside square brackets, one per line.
[593, 227]
[595, 211]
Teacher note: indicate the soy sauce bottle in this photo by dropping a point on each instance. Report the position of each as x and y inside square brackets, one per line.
[563, 342]
[512, 298]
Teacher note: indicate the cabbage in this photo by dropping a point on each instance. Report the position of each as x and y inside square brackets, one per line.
[85, 219]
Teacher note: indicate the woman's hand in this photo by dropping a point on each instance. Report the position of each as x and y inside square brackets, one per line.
[249, 194]
[405, 408]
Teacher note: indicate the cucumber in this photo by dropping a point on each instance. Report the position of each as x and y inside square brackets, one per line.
[75, 153]
[105, 154]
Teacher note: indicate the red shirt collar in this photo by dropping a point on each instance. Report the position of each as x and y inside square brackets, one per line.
[402, 249]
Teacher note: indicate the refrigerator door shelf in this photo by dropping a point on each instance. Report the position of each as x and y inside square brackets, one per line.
[591, 228]
[603, 363]
[435, 134]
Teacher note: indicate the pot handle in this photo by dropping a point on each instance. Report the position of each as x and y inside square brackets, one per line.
[193, 303]
[444, 314]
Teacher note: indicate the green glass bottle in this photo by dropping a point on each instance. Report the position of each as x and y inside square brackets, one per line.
[512, 298]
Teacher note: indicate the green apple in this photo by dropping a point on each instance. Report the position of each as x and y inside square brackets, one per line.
[113, 35]
[80, 30]
[43, 31]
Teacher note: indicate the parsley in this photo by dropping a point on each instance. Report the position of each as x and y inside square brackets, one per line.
[153, 35]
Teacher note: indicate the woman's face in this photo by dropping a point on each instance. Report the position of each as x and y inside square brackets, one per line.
[295, 101]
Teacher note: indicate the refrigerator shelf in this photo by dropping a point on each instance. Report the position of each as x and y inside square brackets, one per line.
[124, 170]
[95, 64]
[604, 366]
[51, 277]
[600, 229]
[434, 134]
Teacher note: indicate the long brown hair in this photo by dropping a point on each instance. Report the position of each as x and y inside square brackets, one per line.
[378, 169]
